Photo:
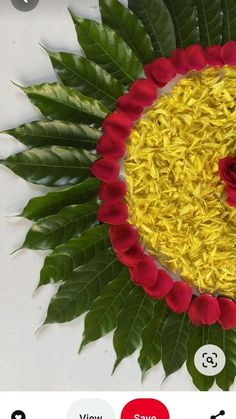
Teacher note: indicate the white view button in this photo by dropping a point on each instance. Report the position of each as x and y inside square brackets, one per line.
[91, 409]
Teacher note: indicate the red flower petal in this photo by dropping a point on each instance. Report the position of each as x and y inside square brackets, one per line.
[106, 169]
[123, 237]
[213, 55]
[178, 59]
[148, 72]
[162, 70]
[195, 57]
[228, 53]
[227, 171]
[162, 287]
[132, 256]
[113, 213]
[128, 105]
[143, 91]
[145, 272]
[227, 313]
[204, 310]
[231, 199]
[110, 147]
[117, 125]
[111, 192]
[179, 297]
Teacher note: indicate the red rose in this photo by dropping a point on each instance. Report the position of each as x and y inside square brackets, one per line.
[227, 172]
[178, 59]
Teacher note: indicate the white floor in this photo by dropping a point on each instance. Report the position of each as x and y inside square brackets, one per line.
[47, 360]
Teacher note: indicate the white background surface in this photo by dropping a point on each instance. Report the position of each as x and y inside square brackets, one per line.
[47, 360]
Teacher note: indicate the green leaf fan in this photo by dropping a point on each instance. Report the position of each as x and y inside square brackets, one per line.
[85, 121]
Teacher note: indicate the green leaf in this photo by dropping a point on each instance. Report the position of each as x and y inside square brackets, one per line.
[198, 337]
[46, 133]
[102, 317]
[56, 101]
[210, 18]
[56, 229]
[104, 46]
[53, 166]
[226, 340]
[229, 20]
[66, 258]
[174, 342]
[158, 23]
[150, 353]
[129, 27]
[53, 202]
[86, 284]
[184, 16]
[136, 314]
[86, 76]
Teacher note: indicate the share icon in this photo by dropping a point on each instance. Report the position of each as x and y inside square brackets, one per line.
[222, 413]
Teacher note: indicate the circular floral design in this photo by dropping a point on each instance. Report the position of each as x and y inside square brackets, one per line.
[171, 191]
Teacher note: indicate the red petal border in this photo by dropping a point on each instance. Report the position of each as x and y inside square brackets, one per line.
[157, 283]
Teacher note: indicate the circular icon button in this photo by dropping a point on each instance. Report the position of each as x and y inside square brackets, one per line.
[25, 5]
[209, 360]
[18, 414]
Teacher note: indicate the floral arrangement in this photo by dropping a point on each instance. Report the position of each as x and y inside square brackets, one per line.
[138, 137]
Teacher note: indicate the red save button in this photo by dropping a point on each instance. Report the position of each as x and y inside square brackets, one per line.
[145, 409]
